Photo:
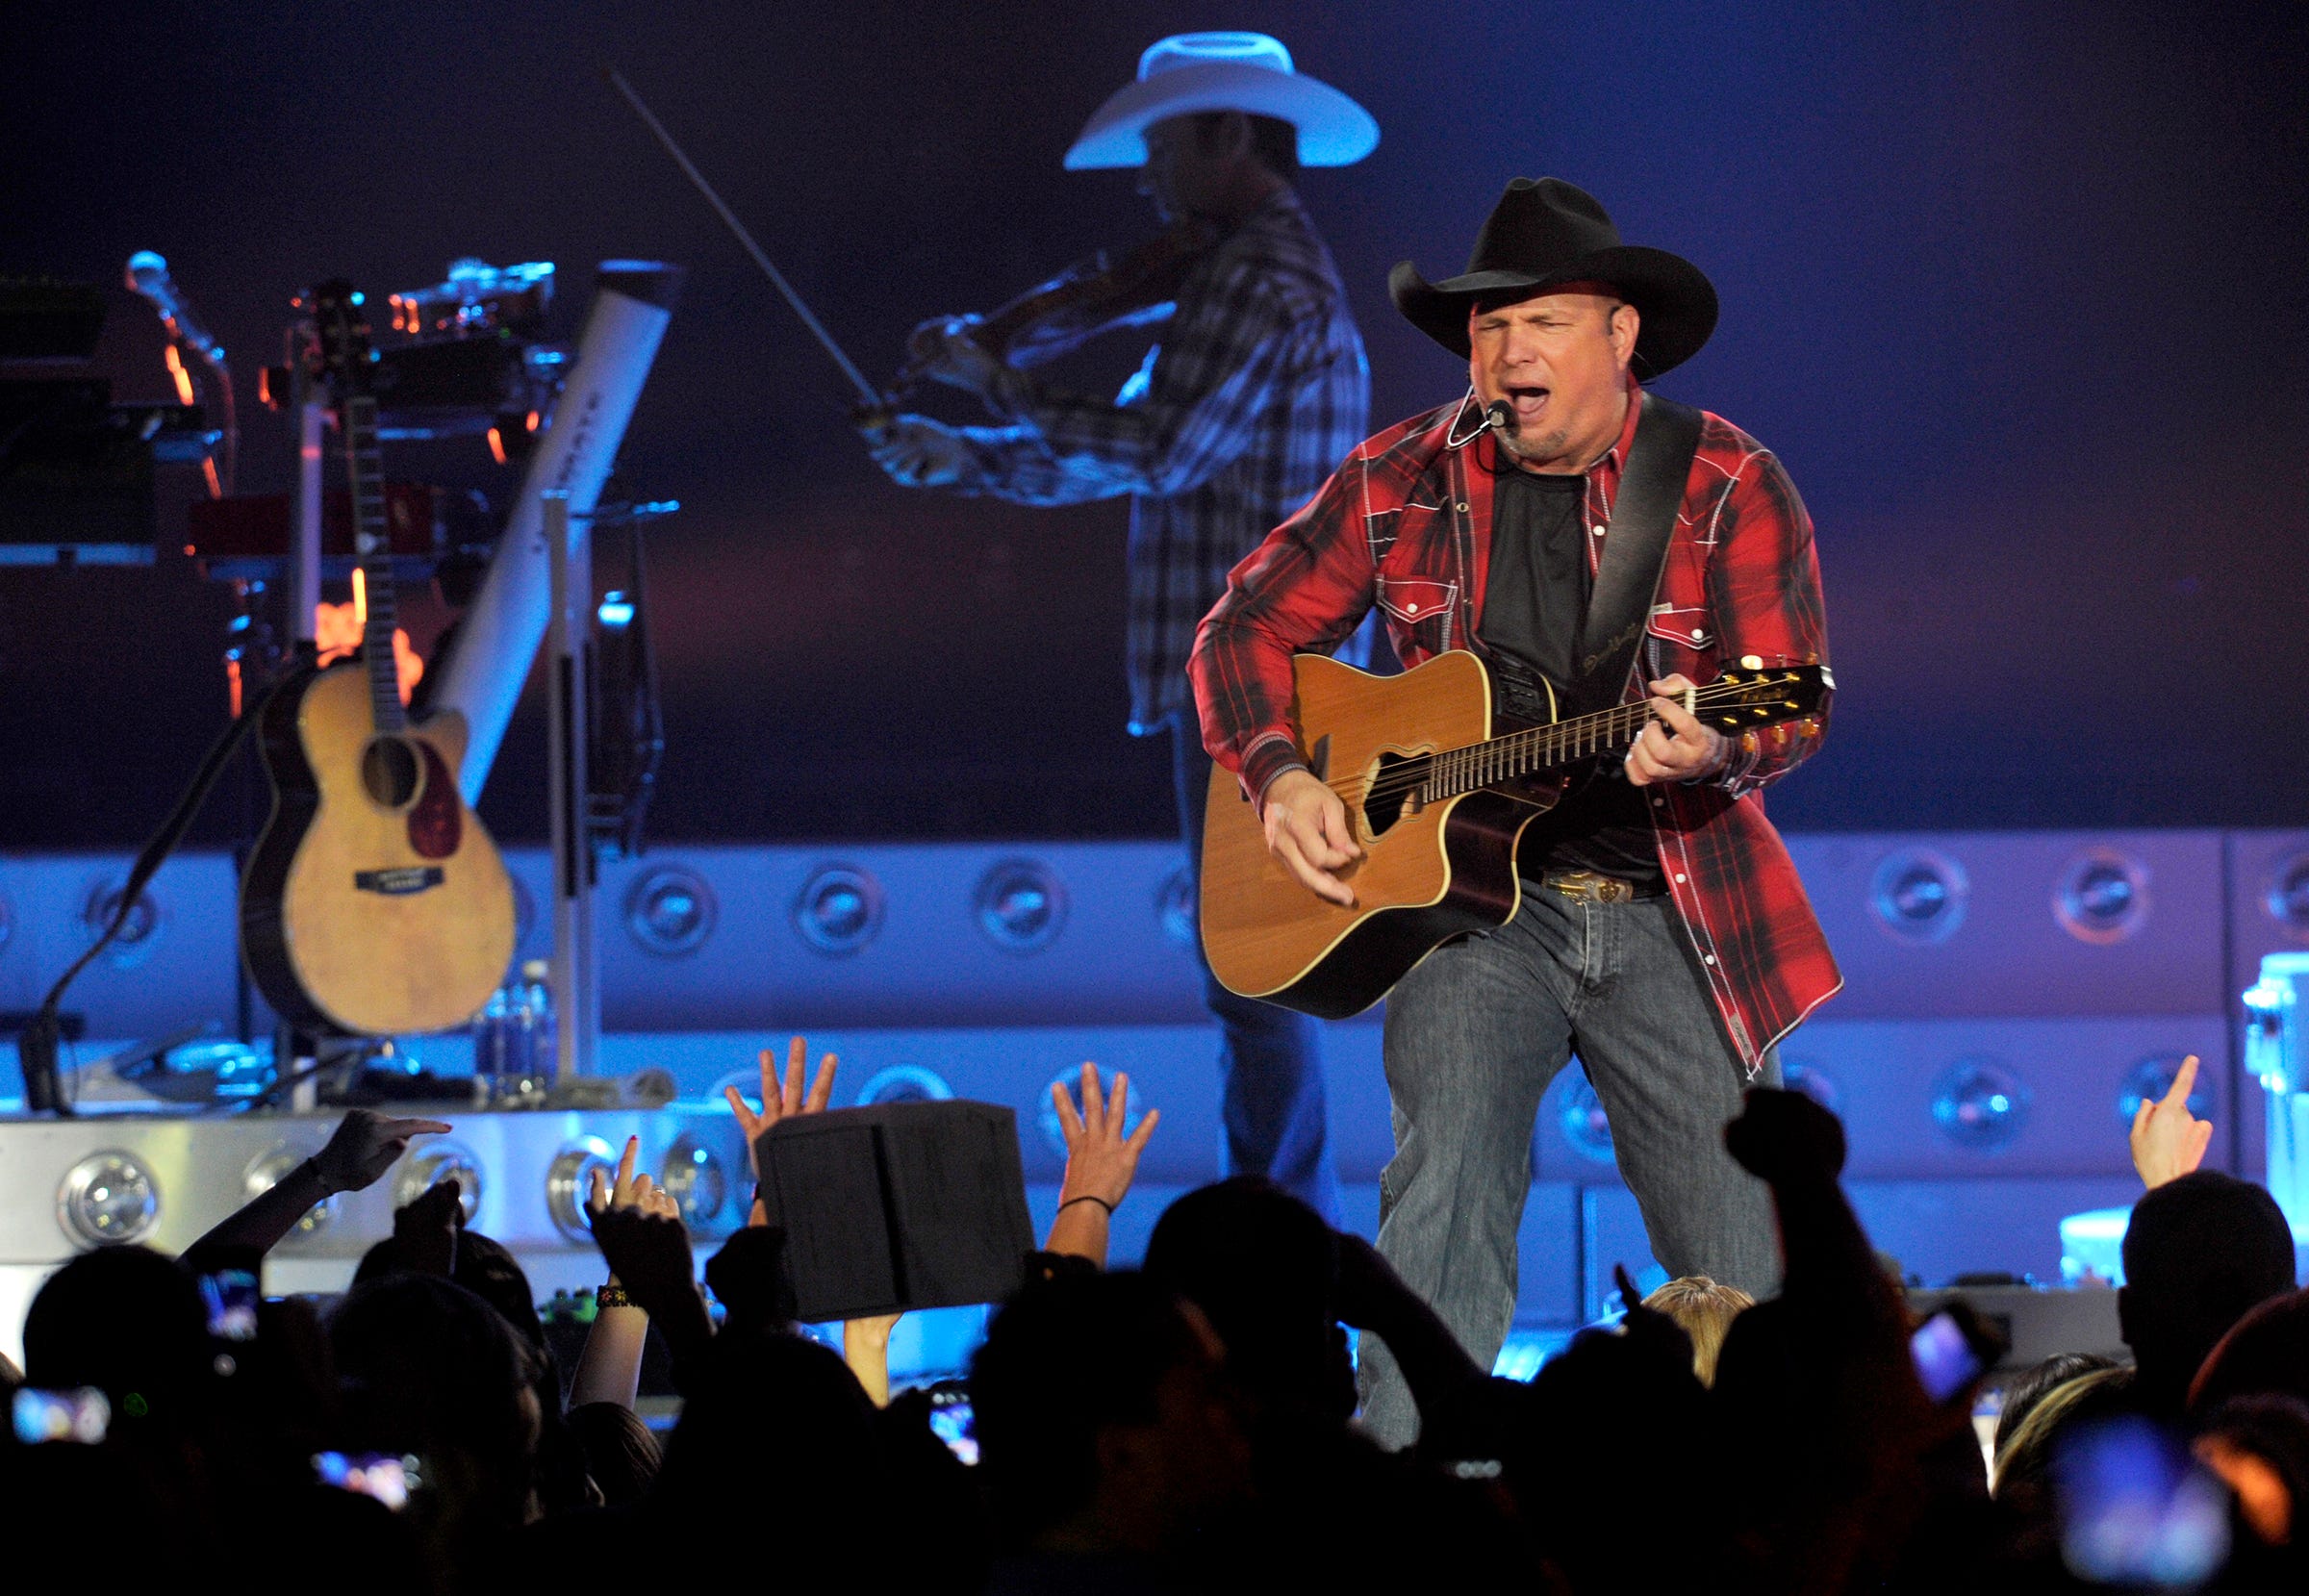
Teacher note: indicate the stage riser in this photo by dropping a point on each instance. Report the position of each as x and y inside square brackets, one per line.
[2200, 917]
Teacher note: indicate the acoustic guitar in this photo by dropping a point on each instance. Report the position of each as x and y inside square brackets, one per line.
[374, 903]
[1438, 801]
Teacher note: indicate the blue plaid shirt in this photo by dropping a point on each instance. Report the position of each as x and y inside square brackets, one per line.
[1256, 392]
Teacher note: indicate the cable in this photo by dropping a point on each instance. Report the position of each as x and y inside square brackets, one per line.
[38, 1042]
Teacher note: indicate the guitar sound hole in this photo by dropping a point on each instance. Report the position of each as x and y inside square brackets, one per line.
[1385, 805]
[388, 770]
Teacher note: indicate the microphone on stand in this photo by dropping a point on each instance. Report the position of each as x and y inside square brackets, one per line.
[148, 275]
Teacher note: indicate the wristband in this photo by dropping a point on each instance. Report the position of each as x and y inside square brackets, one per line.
[1100, 1201]
[613, 1295]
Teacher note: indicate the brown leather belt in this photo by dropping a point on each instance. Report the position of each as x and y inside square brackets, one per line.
[1588, 887]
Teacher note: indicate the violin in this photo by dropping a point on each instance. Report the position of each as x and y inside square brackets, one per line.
[1095, 295]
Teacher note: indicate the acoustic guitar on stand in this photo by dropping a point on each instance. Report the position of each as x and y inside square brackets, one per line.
[374, 904]
[1439, 801]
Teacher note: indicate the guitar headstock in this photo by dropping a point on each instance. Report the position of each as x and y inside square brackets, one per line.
[341, 323]
[1746, 695]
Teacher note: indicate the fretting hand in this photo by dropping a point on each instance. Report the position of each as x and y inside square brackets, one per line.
[1675, 747]
[1309, 835]
[916, 451]
[2168, 1141]
[946, 349]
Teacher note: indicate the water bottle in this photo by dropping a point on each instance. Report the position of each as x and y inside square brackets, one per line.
[539, 1050]
[493, 1029]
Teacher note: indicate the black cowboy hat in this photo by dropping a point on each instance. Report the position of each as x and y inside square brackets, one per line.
[1544, 232]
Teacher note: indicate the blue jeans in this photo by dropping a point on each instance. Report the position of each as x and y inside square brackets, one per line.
[1270, 1062]
[1474, 1035]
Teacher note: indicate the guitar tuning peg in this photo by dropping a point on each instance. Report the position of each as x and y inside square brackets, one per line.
[1751, 662]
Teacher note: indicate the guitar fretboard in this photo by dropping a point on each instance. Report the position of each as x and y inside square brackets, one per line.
[373, 548]
[1523, 753]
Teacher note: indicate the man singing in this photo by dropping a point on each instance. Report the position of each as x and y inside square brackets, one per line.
[1662, 934]
[1233, 421]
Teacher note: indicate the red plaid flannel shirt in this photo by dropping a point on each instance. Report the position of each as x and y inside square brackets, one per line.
[1405, 523]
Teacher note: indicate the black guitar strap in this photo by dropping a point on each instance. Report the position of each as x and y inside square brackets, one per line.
[1627, 581]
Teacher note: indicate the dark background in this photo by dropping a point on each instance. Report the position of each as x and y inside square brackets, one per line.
[2017, 291]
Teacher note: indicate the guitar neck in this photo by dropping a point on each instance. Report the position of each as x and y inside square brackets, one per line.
[1531, 751]
[373, 548]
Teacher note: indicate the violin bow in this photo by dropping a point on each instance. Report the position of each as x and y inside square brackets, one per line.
[867, 393]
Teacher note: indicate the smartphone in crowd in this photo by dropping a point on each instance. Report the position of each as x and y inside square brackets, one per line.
[1947, 1356]
[951, 1422]
[373, 1474]
[2137, 1510]
[81, 1415]
[232, 1297]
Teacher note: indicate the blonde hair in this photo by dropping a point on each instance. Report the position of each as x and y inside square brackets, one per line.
[1703, 1310]
[2026, 1459]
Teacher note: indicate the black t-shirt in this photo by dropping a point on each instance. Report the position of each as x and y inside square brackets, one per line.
[1535, 599]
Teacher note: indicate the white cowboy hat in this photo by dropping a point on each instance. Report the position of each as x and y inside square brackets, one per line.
[1246, 72]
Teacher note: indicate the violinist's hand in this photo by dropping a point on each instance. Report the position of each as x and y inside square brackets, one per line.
[943, 350]
[919, 452]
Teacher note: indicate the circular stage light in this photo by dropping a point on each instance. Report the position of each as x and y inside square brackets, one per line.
[1046, 1110]
[669, 912]
[1978, 1102]
[2287, 897]
[2152, 1077]
[1021, 904]
[268, 1170]
[1801, 1074]
[428, 1167]
[139, 934]
[569, 1179]
[1918, 895]
[1585, 1125]
[839, 909]
[2102, 897]
[1175, 907]
[694, 1177]
[903, 1083]
[107, 1199]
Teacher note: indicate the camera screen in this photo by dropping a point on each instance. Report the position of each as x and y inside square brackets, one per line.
[82, 1415]
[371, 1474]
[950, 1423]
[232, 1297]
[1944, 1359]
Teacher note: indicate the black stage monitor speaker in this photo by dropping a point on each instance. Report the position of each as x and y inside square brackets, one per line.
[898, 1206]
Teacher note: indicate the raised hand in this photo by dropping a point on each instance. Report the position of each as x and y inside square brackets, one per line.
[637, 1193]
[649, 1254]
[1101, 1161]
[1783, 1137]
[2168, 1141]
[425, 1231]
[782, 1100]
[365, 1144]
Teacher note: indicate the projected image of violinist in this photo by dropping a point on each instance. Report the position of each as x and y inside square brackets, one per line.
[1256, 389]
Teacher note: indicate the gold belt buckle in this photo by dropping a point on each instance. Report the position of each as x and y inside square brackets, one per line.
[1590, 887]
